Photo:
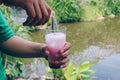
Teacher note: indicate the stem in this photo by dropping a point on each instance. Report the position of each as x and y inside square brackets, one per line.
[80, 77]
[55, 76]
[6, 62]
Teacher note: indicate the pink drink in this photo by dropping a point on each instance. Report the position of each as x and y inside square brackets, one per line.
[55, 42]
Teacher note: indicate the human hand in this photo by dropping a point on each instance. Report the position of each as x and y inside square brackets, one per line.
[59, 60]
[38, 10]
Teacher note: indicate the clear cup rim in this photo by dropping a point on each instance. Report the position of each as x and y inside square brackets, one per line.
[57, 29]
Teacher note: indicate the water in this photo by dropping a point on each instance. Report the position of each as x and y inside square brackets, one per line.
[108, 69]
[18, 15]
[99, 40]
[35, 70]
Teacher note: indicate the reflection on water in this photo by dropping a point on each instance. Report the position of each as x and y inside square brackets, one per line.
[91, 41]
[100, 33]
[84, 34]
[34, 70]
[97, 40]
[96, 53]
[108, 69]
[92, 53]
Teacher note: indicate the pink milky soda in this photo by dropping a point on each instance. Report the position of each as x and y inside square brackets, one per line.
[55, 41]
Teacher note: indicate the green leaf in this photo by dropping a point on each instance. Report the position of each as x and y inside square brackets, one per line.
[20, 62]
[84, 75]
[7, 71]
[69, 70]
[58, 72]
[85, 66]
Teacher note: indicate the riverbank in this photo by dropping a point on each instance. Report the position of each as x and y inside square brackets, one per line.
[41, 27]
[84, 10]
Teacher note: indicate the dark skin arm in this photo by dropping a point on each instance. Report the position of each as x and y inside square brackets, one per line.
[38, 10]
[19, 47]
[38, 14]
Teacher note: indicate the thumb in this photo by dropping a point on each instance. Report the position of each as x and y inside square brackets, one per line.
[45, 52]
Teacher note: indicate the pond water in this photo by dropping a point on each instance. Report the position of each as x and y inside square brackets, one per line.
[98, 40]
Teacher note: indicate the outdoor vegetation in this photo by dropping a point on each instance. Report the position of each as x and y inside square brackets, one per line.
[66, 11]
[84, 10]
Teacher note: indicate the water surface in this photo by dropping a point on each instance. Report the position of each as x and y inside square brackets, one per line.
[98, 40]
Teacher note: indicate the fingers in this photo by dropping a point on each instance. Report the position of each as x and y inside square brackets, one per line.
[44, 12]
[65, 48]
[38, 17]
[49, 13]
[59, 63]
[67, 53]
[60, 60]
[44, 51]
[38, 13]
[31, 14]
[52, 14]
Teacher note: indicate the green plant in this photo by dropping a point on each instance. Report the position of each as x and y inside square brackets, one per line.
[66, 10]
[58, 73]
[82, 72]
[72, 10]
[13, 68]
[90, 13]
[107, 6]
[73, 72]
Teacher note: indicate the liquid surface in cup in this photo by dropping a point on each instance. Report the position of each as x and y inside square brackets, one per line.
[55, 41]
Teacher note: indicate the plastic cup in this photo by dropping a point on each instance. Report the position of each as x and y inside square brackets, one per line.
[55, 40]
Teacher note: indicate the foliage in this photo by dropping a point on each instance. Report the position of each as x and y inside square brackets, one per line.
[58, 73]
[82, 72]
[83, 10]
[93, 11]
[107, 6]
[73, 72]
[66, 10]
[13, 68]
